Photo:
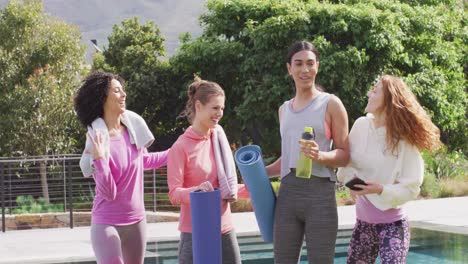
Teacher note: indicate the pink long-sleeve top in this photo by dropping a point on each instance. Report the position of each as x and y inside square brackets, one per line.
[119, 196]
[191, 162]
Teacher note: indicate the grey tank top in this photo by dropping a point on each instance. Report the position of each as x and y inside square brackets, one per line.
[292, 125]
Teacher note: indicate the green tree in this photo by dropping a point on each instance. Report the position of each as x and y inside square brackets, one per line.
[358, 41]
[136, 53]
[41, 62]
[217, 61]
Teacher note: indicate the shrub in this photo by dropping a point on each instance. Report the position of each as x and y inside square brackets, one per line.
[430, 187]
[453, 188]
[241, 205]
[27, 204]
[343, 195]
[443, 164]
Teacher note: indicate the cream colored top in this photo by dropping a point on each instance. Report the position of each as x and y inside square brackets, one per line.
[400, 173]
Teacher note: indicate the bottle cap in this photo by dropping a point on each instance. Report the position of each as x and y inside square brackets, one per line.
[308, 129]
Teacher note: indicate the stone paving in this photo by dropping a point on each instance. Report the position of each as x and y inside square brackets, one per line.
[61, 245]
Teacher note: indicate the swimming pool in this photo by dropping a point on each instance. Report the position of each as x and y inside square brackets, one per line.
[426, 247]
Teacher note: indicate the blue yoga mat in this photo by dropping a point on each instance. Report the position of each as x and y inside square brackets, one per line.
[250, 163]
[206, 226]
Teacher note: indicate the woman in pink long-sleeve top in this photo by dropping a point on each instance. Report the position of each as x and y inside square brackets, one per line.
[116, 157]
[191, 166]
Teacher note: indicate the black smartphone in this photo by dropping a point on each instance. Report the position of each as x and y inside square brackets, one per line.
[353, 182]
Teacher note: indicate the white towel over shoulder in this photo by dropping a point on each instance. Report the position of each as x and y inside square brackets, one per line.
[227, 174]
[138, 130]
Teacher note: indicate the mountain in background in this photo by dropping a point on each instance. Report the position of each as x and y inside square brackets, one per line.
[95, 18]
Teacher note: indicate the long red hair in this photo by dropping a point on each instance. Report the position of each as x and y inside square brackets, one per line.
[405, 117]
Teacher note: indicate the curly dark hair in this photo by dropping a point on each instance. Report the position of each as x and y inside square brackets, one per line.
[90, 97]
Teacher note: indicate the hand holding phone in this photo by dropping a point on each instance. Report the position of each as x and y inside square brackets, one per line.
[351, 184]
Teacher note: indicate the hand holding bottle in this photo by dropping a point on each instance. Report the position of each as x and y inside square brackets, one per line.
[310, 148]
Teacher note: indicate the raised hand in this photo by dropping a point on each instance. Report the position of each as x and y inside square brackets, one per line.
[98, 150]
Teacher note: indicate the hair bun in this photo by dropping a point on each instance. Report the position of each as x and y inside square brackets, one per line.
[197, 81]
[196, 78]
[193, 89]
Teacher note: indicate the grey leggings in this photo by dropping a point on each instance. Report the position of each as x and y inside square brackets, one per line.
[230, 248]
[305, 207]
[119, 244]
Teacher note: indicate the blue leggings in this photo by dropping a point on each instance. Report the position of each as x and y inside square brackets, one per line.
[390, 240]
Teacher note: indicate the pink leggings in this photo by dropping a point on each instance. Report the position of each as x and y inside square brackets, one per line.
[119, 244]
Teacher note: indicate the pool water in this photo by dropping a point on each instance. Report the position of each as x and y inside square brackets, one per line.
[426, 247]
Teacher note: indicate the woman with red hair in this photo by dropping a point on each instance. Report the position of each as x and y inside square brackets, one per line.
[384, 153]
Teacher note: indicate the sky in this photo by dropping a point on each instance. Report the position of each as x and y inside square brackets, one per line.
[96, 18]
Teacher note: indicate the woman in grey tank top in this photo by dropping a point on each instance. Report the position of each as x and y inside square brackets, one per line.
[307, 207]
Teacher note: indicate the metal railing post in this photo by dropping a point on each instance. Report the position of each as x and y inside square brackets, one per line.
[10, 208]
[70, 191]
[64, 175]
[154, 190]
[2, 186]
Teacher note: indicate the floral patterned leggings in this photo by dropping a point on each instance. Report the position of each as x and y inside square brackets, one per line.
[390, 240]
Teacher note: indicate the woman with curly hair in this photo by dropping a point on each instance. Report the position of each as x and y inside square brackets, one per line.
[116, 156]
[385, 147]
